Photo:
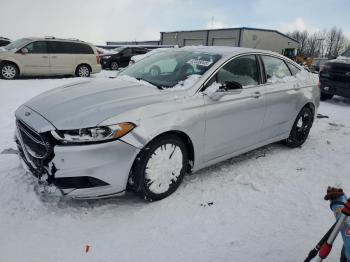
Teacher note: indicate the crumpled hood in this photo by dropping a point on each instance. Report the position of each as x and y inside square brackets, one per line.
[86, 104]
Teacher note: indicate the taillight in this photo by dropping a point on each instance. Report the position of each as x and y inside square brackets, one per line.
[98, 60]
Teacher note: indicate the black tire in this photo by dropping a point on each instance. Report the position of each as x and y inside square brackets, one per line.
[299, 133]
[83, 71]
[9, 71]
[325, 96]
[114, 65]
[144, 186]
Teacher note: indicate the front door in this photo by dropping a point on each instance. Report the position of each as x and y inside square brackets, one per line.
[234, 120]
[36, 61]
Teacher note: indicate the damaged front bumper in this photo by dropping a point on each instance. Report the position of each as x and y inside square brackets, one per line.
[87, 171]
[79, 171]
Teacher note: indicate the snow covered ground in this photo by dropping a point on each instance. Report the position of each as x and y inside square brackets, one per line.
[266, 205]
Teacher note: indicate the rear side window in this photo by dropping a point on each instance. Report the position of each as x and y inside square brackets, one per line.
[139, 51]
[61, 48]
[82, 48]
[69, 48]
[243, 70]
[275, 67]
[39, 47]
[293, 69]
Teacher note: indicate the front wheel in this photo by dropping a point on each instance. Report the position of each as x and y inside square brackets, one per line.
[9, 71]
[301, 128]
[160, 167]
[83, 71]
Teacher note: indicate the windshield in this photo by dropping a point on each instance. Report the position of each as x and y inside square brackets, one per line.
[117, 50]
[167, 69]
[17, 44]
[347, 53]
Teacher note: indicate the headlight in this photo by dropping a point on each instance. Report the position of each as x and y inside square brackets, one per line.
[94, 134]
[106, 57]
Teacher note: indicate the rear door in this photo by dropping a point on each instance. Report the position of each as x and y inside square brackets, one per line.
[282, 92]
[62, 57]
[235, 119]
[37, 60]
[125, 57]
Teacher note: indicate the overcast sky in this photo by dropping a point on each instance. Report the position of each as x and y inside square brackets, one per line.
[98, 21]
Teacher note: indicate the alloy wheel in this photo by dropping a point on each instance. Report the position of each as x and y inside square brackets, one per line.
[84, 71]
[8, 72]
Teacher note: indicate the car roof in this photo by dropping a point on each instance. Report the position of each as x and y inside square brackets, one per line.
[72, 40]
[226, 50]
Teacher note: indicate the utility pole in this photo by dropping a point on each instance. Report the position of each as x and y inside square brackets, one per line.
[321, 41]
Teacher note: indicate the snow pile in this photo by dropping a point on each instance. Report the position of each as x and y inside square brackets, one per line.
[187, 83]
[134, 80]
[303, 76]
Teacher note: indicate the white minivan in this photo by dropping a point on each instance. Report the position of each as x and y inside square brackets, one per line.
[47, 57]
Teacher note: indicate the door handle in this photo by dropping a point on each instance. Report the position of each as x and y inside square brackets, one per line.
[44, 56]
[256, 94]
[54, 56]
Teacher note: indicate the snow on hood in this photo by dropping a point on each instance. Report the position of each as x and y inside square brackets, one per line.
[86, 104]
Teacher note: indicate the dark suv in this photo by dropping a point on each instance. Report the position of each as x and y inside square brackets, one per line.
[335, 77]
[120, 57]
[4, 41]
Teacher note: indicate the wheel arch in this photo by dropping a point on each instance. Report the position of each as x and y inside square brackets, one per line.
[185, 138]
[87, 64]
[310, 106]
[11, 62]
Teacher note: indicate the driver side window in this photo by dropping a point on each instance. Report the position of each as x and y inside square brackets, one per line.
[243, 70]
[39, 47]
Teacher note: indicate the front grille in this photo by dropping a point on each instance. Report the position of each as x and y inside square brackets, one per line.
[36, 145]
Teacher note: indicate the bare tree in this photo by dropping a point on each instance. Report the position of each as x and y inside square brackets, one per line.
[301, 37]
[330, 43]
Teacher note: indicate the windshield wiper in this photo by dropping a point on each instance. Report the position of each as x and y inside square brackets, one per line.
[140, 78]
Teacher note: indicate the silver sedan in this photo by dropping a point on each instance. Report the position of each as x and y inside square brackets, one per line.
[169, 114]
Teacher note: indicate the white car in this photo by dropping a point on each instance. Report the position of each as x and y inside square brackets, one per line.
[48, 56]
[145, 131]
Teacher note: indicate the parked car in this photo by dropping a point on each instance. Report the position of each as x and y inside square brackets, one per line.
[4, 41]
[317, 63]
[136, 58]
[144, 132]
[120, 57]
[335, 77]
[48, 56]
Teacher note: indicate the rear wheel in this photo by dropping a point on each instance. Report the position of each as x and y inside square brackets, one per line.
[325, 96]
[160, 167]
[9, 71]
[301, 128]
[83, 71]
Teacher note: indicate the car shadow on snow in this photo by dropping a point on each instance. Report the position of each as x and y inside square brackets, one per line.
[338, 100]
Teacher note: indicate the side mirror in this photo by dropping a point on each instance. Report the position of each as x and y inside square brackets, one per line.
[24, 51]
[231, 85]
